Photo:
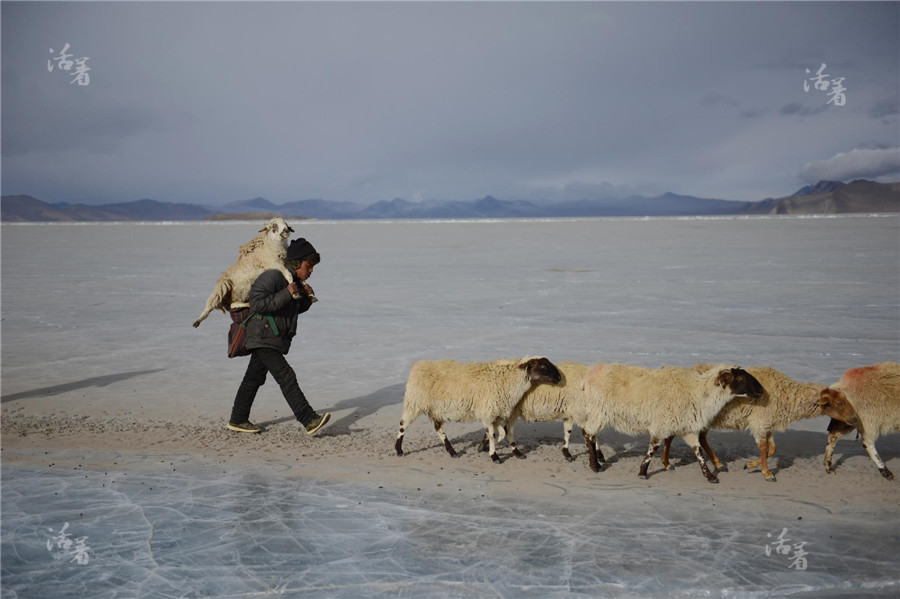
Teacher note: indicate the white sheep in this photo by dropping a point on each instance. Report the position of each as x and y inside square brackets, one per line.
[264, 252]
[550, 403]
[867, 399]
[447, 390]
[664, 402]
[785, 401]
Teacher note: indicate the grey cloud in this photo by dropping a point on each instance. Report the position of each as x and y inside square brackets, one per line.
[885, 108]
[718, 99]
[856, 164]
[798, 109]
[97, 129]
[754, 113]
[372, 100]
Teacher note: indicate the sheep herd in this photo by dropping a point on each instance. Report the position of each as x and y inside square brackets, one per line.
[662, 403]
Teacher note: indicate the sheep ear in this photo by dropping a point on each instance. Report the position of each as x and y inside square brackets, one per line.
[266, 228]
[724, 379]
[290, 229]
[825, 397]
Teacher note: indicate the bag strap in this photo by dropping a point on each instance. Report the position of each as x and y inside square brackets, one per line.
[244, 322]
[272, 322]
[253, 315]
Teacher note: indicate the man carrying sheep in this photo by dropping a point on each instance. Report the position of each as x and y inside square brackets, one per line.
[271, 328]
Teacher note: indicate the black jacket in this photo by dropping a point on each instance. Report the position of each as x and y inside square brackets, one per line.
[273, 304]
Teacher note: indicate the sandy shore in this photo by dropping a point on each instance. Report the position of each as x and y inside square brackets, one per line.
[360, 450]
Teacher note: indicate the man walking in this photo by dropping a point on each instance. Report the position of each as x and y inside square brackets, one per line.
[269, 334]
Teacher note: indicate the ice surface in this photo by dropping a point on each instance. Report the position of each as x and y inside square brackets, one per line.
[814, 296]
[96, 321]
[243, 534]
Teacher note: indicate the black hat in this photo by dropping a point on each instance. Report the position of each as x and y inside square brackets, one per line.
[299, 249]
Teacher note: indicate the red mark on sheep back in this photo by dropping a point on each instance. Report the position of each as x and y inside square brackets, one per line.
[594, 373]
[855, 375]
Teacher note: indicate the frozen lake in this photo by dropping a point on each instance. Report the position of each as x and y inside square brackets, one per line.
[253, 534]
[96, 322]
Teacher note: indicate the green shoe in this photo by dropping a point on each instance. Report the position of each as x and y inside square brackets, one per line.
[316, 424]
[244, 427]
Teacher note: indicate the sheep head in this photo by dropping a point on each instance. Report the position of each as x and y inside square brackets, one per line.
[277, 230]
[540, 370]
[740, 382]
[835, 404]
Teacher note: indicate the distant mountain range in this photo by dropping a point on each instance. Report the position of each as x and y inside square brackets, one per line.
[826, 197]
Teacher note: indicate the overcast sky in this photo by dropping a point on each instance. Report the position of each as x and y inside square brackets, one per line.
[211, 102]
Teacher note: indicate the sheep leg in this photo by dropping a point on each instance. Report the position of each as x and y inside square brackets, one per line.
[490, 430]
[590, 441]
[654, 445]
[763, 461]
[511, 440]
[715, 459]
[703, 443]
[290, 279]
[755, 463]
[836, 430]
[770, 451]
[597, 449]
[567, 432]
[667, 445]
[870, 449]
[398, 444]
[216, 299]
[203, 316]
[507, 432]
[439, 429]
[485, 444]
[693, 440]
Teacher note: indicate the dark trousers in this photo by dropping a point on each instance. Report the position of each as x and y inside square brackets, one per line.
[262, 362]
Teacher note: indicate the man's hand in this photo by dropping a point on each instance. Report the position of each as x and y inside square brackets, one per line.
[293, 288]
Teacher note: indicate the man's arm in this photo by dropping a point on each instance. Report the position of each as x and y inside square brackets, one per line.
[269, 293]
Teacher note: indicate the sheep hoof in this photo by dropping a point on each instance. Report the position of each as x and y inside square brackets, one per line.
[567, 455]
[771, 478]
[886, 473]
[831, 471]
[714, 480]
[723, 468]
[519, 454]
[196, 323]
[643, 476]
[296, 295]
[670, 468]
[495, 458]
